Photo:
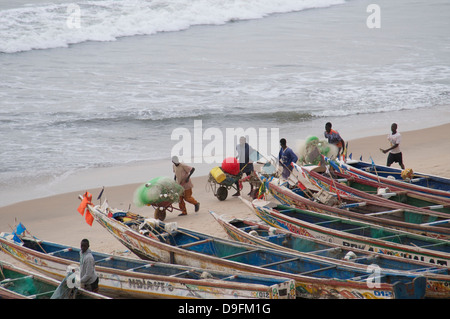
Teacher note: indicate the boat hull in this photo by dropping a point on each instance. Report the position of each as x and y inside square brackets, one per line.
[438, 280]
[278, 219]
[18, 283]
[151, 248]
[130, 284]
[288, 197]
[352, 170]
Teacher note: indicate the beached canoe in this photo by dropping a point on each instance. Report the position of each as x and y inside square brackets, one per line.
[351, 233]
[153, 239]
[419, 179]
[429, 223]
[344, 185]
[123, 277]
[351, 170]
[18, 283]
[257, 233]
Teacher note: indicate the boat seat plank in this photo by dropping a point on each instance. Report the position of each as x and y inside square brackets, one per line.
[362, 204]
[434, 207]
[392, 236]
[65, 250]
[8, 280]
[317, 270]
[364, 278]
[42, 294]
[180, 273]
[357, 228]
[241, 253]
[232, 277]
[140, 267]
[247, 228]
[104, 259]
[437, 222]
[387, 212]
[327, 221]
[204, 241]
[280, 262]
[324, 250]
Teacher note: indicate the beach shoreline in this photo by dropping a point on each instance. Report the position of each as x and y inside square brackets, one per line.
[55, 218]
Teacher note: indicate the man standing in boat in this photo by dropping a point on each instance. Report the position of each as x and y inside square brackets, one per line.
[88, 276]
[395, 155]
[182, 176]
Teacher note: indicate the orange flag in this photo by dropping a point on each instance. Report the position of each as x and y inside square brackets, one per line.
[89, 218]
[87, 199]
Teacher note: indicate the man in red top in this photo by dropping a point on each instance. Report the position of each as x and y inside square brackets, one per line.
[334, 138]
[183, 174]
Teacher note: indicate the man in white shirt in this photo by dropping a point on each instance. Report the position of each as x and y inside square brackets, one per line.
[395, 155]
[88, 276]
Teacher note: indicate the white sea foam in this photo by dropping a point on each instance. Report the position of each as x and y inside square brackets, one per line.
[59, 25]
[100, 105]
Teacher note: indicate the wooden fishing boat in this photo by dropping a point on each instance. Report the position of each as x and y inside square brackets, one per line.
[351, 233]
[416, 178]
[152, 239]
[123, 277]
[344, 185]
[346, 168]
[18, 283]
[429, 223]
[256, 233]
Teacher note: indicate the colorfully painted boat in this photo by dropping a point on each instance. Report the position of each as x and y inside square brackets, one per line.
[429, 223]
[123, 277]
[257, 233]
[155, 240]
[419, 179]
[351, 170]
[344, 185]
[18, 283]
[351, 233]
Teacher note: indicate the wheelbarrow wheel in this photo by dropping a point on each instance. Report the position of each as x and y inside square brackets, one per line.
[160, 214]
[222, 193]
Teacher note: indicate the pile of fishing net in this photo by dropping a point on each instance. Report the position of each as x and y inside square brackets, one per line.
[158, 191]
[311, 150]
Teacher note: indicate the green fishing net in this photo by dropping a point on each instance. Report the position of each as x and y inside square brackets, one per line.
[157, 191]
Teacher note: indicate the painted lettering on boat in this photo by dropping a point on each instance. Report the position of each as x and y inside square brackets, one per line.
[312, 290]
[149, 285]
[405, 255]
[353, 245]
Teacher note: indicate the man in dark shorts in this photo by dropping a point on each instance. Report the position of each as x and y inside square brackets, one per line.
[395, 155]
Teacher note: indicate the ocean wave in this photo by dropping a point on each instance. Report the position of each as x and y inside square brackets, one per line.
[60, 25]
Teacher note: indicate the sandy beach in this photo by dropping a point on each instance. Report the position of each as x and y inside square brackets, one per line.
[56, 218]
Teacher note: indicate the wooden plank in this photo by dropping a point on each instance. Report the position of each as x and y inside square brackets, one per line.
[195, 243]
[437, 222]
[280, 262]
[241, 253]
[386, 212]
[65, 250]
[317, 270]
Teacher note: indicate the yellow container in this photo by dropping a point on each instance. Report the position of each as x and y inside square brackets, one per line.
[218, 174]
